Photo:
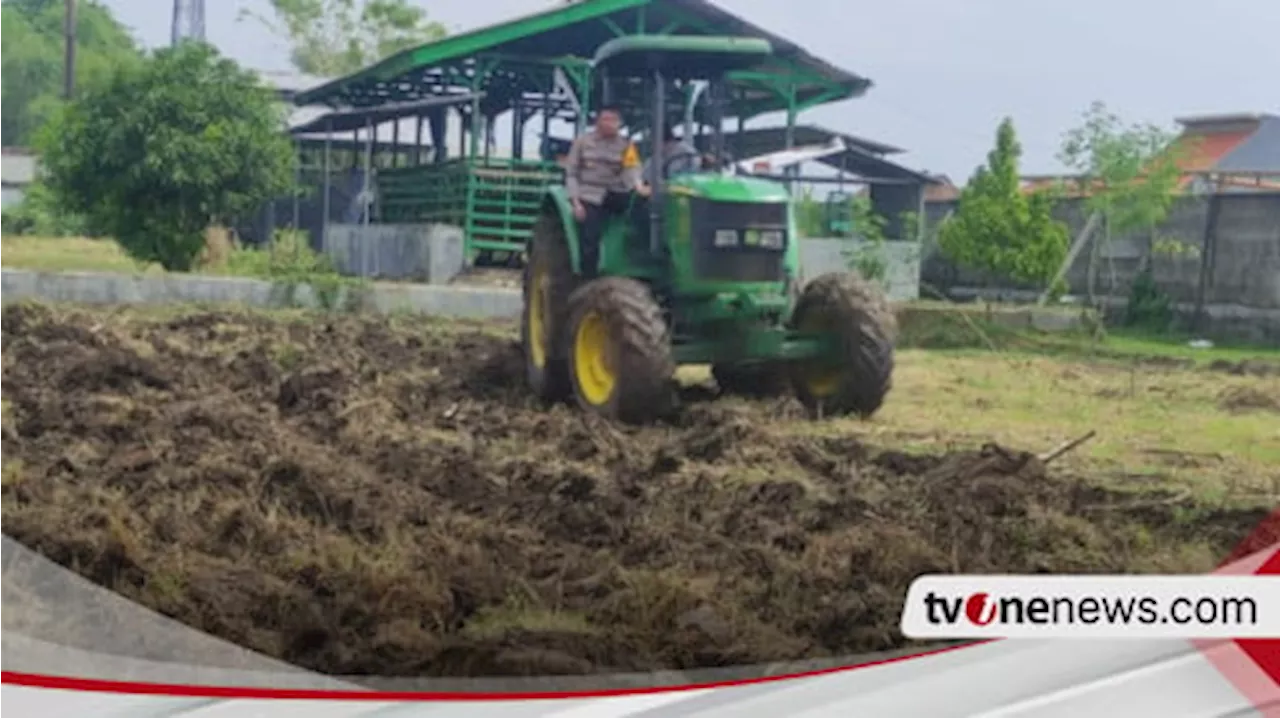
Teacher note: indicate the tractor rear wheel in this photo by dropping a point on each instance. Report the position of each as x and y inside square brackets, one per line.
[548, 282]
[855, 377]
[620, 351]
[760, 380]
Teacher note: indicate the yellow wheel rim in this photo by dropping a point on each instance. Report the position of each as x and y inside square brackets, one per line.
[822, 382]
[537, 317]
[593, 367]
[820, 378]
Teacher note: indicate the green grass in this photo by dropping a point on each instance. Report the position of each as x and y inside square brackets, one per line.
[289, 259]
[1171, 425]
[1166, 425]
[1138, 343]
[974, 328]
[69, 254]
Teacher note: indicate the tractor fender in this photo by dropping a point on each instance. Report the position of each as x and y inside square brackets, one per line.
[556, 202]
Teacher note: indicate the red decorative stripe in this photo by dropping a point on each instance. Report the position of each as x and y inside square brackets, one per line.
[94, 685]
[1266, 651]
[1253, 667]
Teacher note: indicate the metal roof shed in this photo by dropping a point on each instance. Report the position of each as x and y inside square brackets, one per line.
[515, 58]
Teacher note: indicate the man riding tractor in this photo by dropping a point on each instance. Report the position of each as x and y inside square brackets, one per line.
[713, 278]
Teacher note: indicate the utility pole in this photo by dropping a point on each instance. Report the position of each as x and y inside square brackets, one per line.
[69, 57]
[188, 21]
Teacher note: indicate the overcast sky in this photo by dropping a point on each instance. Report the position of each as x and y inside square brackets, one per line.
[945, 71]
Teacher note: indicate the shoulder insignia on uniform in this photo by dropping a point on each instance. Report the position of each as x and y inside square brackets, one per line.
[630, 157]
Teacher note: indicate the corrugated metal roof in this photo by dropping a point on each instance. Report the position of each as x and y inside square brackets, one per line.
[291, 82]
[1260, 152]
[1228, 118]
[576, 29]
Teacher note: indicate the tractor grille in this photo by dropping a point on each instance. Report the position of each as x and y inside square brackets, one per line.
[738, 263]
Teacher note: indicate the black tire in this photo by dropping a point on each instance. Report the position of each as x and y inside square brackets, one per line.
[761, 380]
[548, 255]
[634, 342]
[858, 376]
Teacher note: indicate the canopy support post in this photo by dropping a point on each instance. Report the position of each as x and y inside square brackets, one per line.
[324, 200]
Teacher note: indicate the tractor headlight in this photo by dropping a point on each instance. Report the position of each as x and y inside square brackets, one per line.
[771, 239]
[726, 238]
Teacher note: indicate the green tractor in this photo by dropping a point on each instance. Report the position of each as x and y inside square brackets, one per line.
[714, 278]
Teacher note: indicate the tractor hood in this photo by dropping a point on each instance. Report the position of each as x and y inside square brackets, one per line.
[728, 188]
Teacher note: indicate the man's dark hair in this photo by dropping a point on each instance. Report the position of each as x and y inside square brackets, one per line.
[669, 133]
[609, 108]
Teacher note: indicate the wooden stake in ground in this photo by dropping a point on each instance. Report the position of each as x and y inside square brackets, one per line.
[1046, 458]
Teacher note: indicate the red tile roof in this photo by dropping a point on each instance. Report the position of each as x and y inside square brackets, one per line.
[1203, 150]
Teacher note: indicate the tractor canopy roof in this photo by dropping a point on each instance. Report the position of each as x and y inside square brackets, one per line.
[683, 56]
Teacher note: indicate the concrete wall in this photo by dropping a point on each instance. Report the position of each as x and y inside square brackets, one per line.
[434, 254]
[17, 172]
[1235, 246]
[452, 300]
[423, 253]
[11, 196]
[902, 260]
[18, 166]
[106, 288]
[103, 288]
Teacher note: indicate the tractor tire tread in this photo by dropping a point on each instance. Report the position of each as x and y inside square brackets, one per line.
[646, 369]
[868, 331]
[548, 245]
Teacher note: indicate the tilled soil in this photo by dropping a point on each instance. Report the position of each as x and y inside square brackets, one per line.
[381, 496]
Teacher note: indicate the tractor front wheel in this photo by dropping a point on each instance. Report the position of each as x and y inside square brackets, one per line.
[620, 359]
[855, 376]
[548, 282]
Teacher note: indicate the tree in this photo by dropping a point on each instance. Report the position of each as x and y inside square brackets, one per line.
[162, 151]
[997, 228]
[1129, 175]
[330, 38]
[32, 63]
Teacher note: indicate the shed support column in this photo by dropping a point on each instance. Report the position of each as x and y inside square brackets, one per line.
[476, 126]
[544, 147]
[395, 143]
[297, 182]
[517, 131]
[417, 143]
[921, 208]
[792, 111]
[464, 122]
[368, 172]
[324, 200]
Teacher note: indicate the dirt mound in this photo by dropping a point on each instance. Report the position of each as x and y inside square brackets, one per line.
[1247, 367]
[381, 496]
[1248, 398]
